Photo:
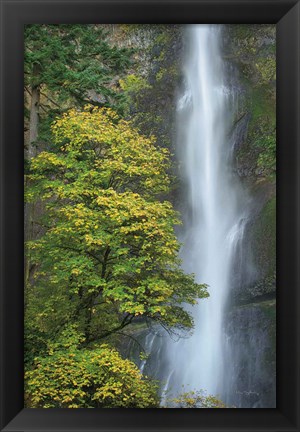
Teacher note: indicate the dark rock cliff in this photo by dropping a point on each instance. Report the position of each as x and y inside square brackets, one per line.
[250, 321]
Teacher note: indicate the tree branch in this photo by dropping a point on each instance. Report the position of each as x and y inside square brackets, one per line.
[80, 252]
[123, 324]
[134, 339]
[104, 262]
[51, 100]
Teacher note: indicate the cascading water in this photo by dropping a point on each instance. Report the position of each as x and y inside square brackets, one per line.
[214, 208]
[213, 221]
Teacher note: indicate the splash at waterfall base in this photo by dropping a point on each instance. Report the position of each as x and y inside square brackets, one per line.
[231, 353]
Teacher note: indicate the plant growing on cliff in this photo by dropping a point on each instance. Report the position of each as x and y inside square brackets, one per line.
[267, 156]
[254, 48]
[109, 253]
[196, 399]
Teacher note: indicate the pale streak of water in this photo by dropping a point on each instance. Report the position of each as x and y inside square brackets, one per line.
[213, 222]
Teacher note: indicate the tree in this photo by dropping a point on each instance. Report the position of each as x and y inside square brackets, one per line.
[66, 66]
[109, 255]
[70, 377]
[69, 65]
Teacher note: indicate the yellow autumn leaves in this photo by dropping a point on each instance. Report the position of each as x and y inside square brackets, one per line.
[88, 378]
[108, 256]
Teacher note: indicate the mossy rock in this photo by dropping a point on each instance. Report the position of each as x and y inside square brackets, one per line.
[256, 155]
[264, 239]
[252, 48]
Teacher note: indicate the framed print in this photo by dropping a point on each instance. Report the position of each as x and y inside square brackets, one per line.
[159, 143]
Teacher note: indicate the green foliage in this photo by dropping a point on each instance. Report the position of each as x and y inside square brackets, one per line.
[109, 245]
[267, 69]
[262, 132]
[254, 47]
[151, 101]
[35, 341]
[196, 399]
[71, 60]
[265, 239]
[143, 356]
[74, 377]
[71, 65]
[134, 83]
[267, 156]
[133, 86]
[262, 107]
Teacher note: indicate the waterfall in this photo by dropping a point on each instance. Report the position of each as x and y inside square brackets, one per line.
[213, 217]
[215, 211]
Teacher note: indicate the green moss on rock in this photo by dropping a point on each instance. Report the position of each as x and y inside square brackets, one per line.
[253, 49]
[264, 243]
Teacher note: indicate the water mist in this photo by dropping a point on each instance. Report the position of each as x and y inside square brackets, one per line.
[213, 221]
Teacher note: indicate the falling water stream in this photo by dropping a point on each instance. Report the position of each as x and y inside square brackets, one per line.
[213, 222]
[213, 216]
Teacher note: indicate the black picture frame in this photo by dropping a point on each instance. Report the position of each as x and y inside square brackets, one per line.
[286, 15]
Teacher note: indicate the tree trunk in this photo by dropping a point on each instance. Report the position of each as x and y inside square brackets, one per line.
[34, 115]
[29, 209]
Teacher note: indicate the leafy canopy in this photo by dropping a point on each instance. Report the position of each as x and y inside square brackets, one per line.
[109, 243]
[72, 60]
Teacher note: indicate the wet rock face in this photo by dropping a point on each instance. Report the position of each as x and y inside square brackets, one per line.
[254, 265]
[250, 322]
[240, 131]
[250, 334]
[147, 349]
